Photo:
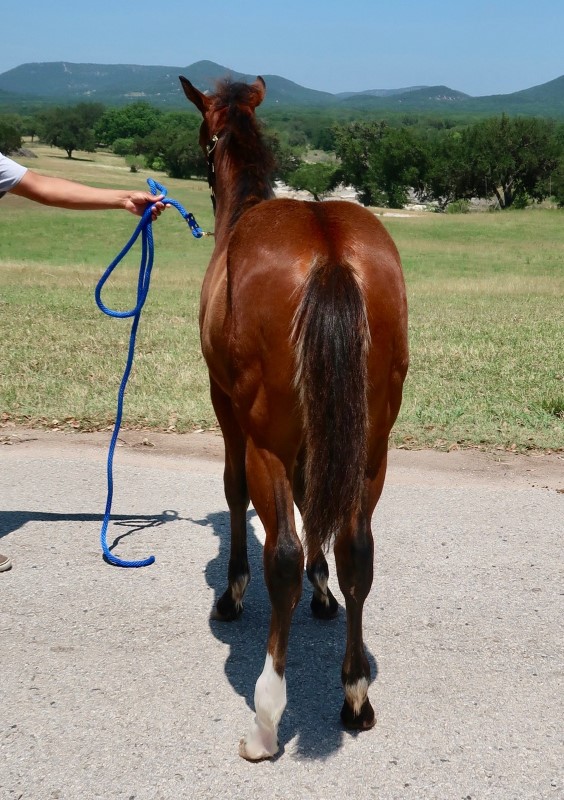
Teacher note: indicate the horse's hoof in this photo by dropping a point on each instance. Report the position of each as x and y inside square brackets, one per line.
[258, 744]
[324, 607]
[361, 722]
[226, 610]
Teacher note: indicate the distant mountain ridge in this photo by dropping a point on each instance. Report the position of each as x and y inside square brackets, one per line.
[121, 83]
[116, 84]
[379, 92]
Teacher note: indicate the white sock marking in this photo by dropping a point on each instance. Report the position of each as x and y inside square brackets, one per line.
[238, 590]
[356, 694]
[270, 702]
[322, 583]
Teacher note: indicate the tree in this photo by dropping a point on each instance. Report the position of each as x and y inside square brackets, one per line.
[286, 158]
[134, 121]
[124, 147]
[398, 167]
[30, 126]
[556, 184]
[318, 179]
[173, 146]
[10, 134]
[71, 128]
[381, 162]
[302, 129]
[509, 157]
[443, 179]
[355, 145]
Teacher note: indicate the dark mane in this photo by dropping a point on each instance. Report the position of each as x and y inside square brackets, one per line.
[229, 93]
[242, 141]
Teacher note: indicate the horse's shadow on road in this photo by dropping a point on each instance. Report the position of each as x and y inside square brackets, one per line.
[315, 652]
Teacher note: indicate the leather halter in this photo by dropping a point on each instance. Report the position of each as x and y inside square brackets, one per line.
[210, 147]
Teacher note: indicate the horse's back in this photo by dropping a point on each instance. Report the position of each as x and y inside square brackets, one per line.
[302, 230]
[281, 239]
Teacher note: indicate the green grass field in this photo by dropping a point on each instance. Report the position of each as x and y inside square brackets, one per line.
[486, 318]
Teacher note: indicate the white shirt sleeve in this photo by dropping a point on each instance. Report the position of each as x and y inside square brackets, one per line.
[11, 174]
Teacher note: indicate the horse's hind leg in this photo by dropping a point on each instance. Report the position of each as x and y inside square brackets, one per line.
[323, 604]
[283, 569]
[230, 604]
[354, 555]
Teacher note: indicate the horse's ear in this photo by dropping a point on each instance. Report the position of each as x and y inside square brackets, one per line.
[200, 100]
[259, 92]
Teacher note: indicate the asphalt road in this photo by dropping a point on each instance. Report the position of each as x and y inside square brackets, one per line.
[115, 683]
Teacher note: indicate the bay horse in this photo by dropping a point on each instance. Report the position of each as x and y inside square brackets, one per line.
[303, 323]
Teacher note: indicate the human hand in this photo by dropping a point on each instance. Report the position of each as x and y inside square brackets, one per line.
[137, 202]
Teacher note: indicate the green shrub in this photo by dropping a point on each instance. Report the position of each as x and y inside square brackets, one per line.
[124, 147]
[458, 207]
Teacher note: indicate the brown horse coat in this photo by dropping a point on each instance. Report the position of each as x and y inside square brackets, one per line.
[304, 330]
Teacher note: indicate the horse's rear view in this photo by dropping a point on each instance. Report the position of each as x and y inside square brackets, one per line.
[304, 329]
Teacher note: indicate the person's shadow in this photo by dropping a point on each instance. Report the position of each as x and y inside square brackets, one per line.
[315, 652]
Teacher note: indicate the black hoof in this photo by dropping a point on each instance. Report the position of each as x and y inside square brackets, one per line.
[322, 609]
[226, 610]
[363, 722]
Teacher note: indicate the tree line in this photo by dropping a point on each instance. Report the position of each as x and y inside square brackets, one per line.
[512, 160]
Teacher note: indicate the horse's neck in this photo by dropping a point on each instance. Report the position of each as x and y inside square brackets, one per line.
[238, 189]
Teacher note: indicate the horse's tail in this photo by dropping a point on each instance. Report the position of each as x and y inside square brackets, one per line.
[332, 337]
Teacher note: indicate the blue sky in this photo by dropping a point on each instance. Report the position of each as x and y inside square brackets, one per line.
[474, 46]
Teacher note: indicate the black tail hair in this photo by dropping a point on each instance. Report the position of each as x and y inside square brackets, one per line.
[332, 337]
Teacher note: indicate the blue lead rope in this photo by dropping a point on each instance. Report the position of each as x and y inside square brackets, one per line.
[147, 256]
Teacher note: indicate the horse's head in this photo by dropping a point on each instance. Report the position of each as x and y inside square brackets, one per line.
[229, 100]
[240, 164]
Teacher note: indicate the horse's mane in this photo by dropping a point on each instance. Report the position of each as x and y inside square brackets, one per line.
[229, 93]
[251, 159]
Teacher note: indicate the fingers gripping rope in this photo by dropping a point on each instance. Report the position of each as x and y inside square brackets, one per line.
[147, 256]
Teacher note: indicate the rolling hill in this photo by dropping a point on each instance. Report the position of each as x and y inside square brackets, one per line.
[115, 84]
[62, 82]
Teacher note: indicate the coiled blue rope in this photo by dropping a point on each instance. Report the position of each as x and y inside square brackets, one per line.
[147, 256]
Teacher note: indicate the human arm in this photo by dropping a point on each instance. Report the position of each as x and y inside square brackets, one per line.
[63, 193]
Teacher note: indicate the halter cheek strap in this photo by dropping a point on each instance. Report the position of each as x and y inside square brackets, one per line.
[211, 169]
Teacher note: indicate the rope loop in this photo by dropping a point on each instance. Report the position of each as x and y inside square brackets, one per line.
[144, 228]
